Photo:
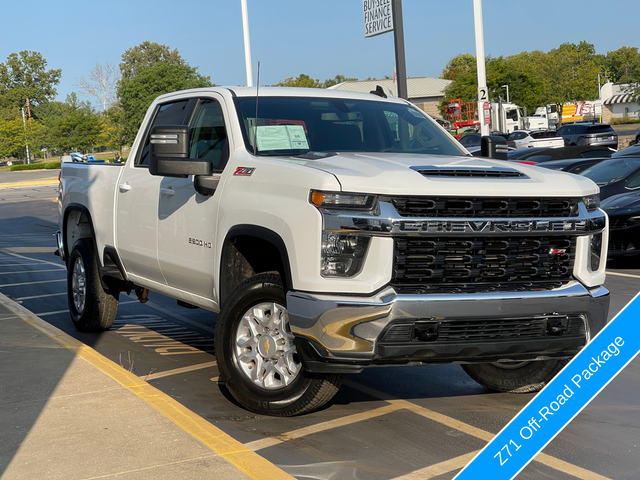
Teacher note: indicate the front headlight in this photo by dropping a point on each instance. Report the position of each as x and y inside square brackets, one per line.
[342, 254]
[592, 202]
[341, 200]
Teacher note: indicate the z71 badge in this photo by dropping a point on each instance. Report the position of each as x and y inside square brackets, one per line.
[244, 171]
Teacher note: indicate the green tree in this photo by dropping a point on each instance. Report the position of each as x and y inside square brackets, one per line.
[78, 127]
[137, 94]
[460, 64]
[301, 80]
[147, 54]
[571, 74]
[12, 138]
[462, 70]
[623, 65]
[25, 75]
[113, 133]
[330, 82]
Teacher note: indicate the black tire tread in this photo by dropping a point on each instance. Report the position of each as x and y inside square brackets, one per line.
[528, 379]
[101, 307]
[321, 388]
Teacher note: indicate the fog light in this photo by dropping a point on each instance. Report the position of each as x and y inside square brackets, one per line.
[595, 252]
[342, 254]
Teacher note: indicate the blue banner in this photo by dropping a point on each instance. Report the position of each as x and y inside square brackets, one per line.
[561, 400]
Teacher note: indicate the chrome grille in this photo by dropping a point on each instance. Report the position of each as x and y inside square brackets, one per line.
[482, 262]
[485, 207]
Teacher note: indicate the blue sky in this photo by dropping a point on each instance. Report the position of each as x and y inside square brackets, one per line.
[290, 37]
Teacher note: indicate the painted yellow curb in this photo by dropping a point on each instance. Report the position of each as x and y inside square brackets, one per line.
[29, 183]
[236, 453]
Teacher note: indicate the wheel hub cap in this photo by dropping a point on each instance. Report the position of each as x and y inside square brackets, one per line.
[264, 346]
[79, 285]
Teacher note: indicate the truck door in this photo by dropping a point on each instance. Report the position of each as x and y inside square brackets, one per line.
[187, 220]
[137, 202]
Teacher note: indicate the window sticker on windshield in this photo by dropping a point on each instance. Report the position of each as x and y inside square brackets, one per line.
[415, 113]
[281, 137]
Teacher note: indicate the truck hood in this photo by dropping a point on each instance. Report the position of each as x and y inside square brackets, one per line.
[389, 173]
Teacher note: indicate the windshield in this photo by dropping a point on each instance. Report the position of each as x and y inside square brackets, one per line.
[610, 171]
[298, 125]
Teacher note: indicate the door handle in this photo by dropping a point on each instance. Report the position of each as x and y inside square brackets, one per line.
[124, 187]
[167, 191]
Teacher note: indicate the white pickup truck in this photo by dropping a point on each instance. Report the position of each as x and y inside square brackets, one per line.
[335, 231]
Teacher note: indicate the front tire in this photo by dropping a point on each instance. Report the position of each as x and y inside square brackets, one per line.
[257, 356]
[523, 377]
[92, 309]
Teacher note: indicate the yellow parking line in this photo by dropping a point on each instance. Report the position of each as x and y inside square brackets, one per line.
[567, 467]
[29, 249]
[31, 183]
[321, 427]
[545, 459]
[439, 468]
[623, 275]
[243, 458]
[177, 371]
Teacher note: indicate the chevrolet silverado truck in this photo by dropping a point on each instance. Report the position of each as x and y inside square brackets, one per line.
[335, 231]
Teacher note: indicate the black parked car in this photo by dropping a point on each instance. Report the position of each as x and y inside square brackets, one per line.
[615, 175]
[571, 165]
[531, 156]
[633, 150]
[589, 134]
[624, 223]
[475, 139]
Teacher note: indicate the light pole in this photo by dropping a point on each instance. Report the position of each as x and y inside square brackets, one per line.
[247, 42]
[26, 137]
[507, 87]
[480, 61]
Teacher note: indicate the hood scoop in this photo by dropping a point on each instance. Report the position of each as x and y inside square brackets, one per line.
[470, 172]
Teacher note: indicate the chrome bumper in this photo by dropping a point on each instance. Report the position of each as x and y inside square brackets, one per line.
[346, 330]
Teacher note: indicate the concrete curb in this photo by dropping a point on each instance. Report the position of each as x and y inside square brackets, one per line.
[225, 446]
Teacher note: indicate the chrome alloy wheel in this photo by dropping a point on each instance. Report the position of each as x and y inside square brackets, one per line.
[79, 285]
[265, 348]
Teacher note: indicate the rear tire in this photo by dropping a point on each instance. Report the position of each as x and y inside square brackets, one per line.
[92, 309]
[257, 356]
[514, 378]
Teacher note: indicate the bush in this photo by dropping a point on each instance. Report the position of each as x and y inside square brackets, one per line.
[625, 120]
[35, 166]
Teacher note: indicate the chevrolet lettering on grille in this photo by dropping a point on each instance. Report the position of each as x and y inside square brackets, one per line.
[494, 226]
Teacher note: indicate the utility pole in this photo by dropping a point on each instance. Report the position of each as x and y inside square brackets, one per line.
[482, 76]
[26, 138]
[247, 42]
[398, 37]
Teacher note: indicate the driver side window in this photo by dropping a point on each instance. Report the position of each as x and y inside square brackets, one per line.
[634, 183]
[207, 134]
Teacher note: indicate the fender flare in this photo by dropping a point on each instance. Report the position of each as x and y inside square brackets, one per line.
[265, 234]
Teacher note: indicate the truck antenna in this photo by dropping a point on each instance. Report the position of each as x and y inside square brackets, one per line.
[255, 133]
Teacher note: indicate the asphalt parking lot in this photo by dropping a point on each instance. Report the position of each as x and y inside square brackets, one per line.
[385, 423]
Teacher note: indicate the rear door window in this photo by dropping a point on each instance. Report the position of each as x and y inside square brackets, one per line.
[599, 129]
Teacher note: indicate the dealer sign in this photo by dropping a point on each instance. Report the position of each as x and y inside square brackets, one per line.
[377, 17]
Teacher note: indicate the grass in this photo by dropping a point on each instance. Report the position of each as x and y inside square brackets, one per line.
[623, 121]
[35, 166]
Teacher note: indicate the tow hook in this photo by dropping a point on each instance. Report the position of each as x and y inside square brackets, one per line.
[142, 294]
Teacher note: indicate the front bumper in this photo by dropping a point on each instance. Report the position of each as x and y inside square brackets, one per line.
[340, 333]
